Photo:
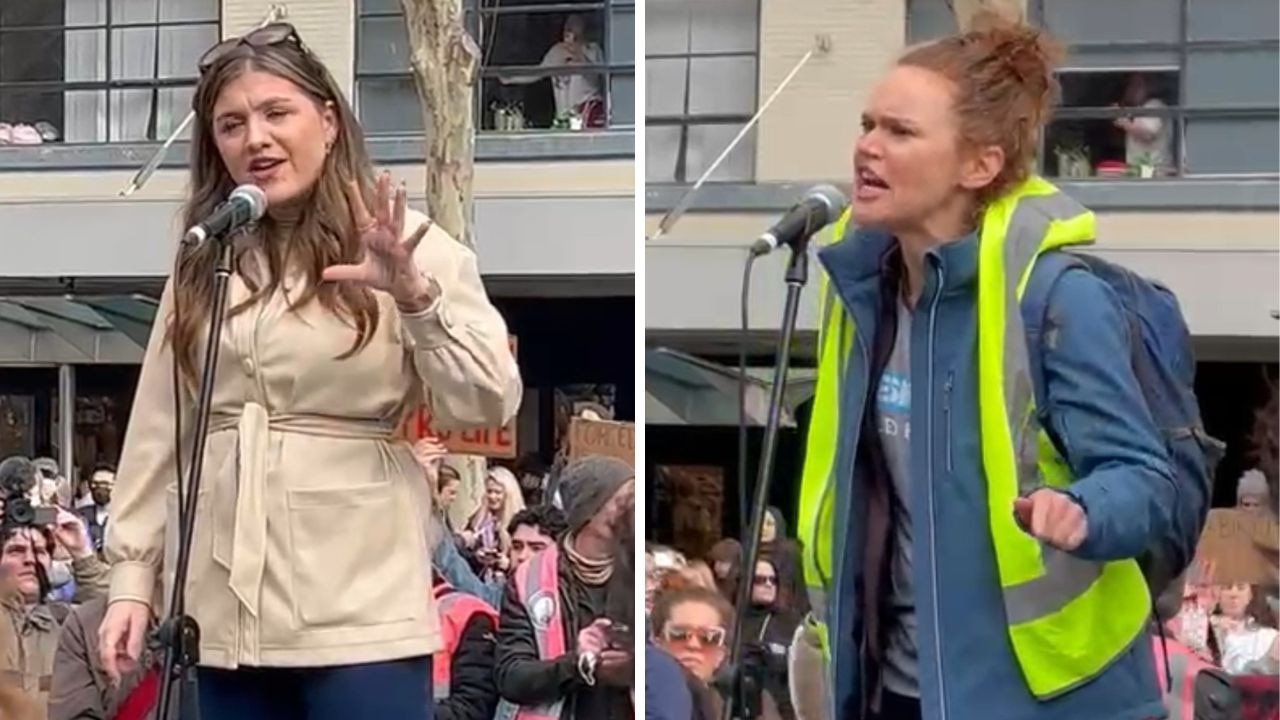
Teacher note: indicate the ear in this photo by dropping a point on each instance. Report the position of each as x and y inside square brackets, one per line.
[329, 118]
[981, 167]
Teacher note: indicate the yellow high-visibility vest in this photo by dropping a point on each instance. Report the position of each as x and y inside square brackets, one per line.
[1067, 618]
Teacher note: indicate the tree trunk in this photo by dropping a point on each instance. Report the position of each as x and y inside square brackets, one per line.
[965, 9]
[444, 58]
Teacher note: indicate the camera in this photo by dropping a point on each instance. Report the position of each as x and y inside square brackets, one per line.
[18, 476]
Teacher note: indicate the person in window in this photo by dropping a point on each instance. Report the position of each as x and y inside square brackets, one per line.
[1148, 139]
[578, 94]
[309, 564]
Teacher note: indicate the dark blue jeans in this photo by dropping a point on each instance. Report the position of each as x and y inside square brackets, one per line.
[395, 690]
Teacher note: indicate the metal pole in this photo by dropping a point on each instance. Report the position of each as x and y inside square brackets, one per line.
[67, 416]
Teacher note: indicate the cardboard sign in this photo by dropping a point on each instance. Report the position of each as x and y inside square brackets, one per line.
[602, 437]
[1242, 545]
[489, 442]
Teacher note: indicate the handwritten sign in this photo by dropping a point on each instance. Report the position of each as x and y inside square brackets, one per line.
[489, 442]
[1241, 544]
[602, 437]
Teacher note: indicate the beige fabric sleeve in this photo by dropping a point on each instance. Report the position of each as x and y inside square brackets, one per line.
[134, 546]
[460, 345]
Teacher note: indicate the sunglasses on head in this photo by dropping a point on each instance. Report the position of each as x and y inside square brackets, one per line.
[683, 634]
[265, 36]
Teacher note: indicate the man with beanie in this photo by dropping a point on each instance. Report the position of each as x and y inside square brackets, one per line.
[559, 656]
[1251, 491]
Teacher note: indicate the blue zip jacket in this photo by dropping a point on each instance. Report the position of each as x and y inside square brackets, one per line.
[966, 662]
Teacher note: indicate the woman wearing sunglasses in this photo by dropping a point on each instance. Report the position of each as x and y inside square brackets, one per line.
[310, 560]
[690, 624]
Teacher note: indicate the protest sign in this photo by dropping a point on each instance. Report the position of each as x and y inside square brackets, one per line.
[602, 437]
[1241, 545]
[489, 442]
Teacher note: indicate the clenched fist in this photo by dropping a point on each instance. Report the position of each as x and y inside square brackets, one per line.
[1053, 517]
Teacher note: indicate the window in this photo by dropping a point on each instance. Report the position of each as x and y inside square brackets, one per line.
[700, 83]
[92, 71]
[545, 65]
[1156, 88]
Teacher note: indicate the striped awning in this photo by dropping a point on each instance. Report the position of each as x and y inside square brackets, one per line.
[49, 330]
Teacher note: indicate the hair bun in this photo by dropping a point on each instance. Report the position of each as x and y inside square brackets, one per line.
[1025, 51]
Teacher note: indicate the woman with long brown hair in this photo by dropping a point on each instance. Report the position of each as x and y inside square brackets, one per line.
[310, 559]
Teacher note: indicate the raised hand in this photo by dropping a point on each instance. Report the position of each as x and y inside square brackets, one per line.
[387, 263]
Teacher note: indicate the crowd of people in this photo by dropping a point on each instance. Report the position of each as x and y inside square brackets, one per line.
[534, 602]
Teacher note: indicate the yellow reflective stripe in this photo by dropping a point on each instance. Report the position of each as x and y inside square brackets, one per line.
[1060, 651]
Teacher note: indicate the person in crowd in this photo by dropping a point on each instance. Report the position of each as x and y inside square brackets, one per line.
[699, 573]
[532, 473]
[963, 538]
[785, 554]
[1148, 139]
[692, 625]
[1191, 625]
[14, 701]
[579, 93]
[80, 687]
[560, 655]
[52, 487]
[95, 516]
[309, 571]
[661, 563]
[443, 480]
[771, 624]
[462, 672]
[25, 556]
[486, 535]
[726, 563]
[1252, 492]
[1249, 646]
[532, 530]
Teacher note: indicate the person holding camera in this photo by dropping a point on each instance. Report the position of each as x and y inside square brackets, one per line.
[565, 646]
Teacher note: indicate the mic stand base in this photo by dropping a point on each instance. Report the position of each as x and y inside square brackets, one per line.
[178, 635]
[742, 690]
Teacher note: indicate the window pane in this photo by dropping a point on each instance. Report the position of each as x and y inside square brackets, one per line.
[188, 10]
[144, 11]
[929, 19]
[725, 26]
[133, 54]
[622, 37]
[666, 27]
[85, 12]
[1131, 87]
[706, 142]
[1232, 146]
[23, 55]
[1238, 20]
[1094, 21]
[384, 45]
[389, 106]
[85, 55]
[661, 143]
[1107, 59]
[29, 107]
[181, 47]
[85, 116]
[622, 100]
[1221, 78]
[132, 11]
[664, 87]
[723, 86]
[372, 6]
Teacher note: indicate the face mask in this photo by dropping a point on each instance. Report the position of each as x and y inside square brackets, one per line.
[59, 574]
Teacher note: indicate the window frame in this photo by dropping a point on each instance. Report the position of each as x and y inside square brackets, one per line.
[685, 120]
[107, 85]
[1183, 47]
[550, 142]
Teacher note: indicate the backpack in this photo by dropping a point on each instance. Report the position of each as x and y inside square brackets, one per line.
[1164, 365]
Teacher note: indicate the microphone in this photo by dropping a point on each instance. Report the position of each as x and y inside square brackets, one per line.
[246, 204]
[819, 207]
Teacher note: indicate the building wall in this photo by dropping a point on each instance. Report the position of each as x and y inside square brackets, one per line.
[1222, 263]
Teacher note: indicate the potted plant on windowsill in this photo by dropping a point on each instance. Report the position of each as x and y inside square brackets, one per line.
[1144, 167]
[1073, 160]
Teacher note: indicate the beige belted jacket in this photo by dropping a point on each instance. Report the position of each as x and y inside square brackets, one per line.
[310, 546]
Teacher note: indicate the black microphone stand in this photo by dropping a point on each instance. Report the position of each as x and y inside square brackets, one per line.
[178, 635]
[740, 682]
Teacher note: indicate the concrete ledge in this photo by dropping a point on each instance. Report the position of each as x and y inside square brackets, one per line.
[533, 146]
[1173, 193]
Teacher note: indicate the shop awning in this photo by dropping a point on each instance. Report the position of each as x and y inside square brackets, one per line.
[682, 389]
[49, 330]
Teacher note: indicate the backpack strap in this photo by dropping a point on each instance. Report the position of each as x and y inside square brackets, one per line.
[1046, 271]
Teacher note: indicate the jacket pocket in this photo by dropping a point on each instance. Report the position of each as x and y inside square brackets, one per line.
[355, 557]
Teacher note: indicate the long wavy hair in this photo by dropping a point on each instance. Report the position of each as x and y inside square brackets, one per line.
[325, 233]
